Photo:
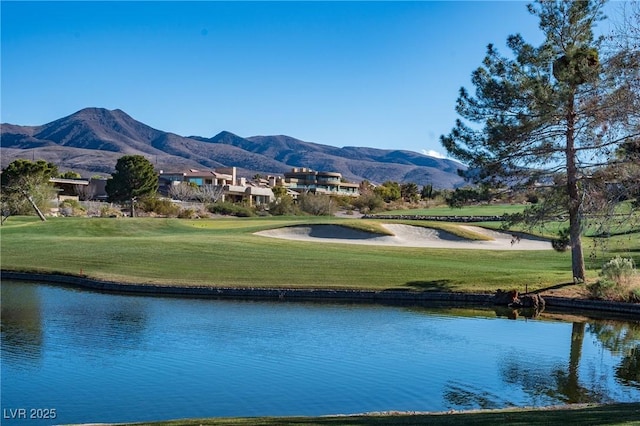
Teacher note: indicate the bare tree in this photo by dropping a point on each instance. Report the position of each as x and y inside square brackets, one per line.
[209, 193]
[626, 25]
[85, 192]
[182, 191]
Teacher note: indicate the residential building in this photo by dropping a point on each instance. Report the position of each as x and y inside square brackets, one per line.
[234, 189]
[198, 177]
[80, 189]
[69, 189]
[304, 180]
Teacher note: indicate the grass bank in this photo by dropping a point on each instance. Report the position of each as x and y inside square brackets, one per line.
[478, 210]
[614, 414]
[225, 252]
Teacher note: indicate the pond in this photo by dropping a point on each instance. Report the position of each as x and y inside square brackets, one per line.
[84, 356]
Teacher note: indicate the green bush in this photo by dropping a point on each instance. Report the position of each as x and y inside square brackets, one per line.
[464, 196]
[532, 198]
[187, 214]
[563, 241]
[316, 204]
[284, 206]
[604, 289]
[617, 282]
[229, 209]
[368, 203]
[72, 208]
[75, 204]
[159, 206]
[388, 191]
[107, 211]
[343, 201]
[618, 269]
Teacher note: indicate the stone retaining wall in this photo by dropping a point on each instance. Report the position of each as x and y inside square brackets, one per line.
[383, 296]
[251, 292]
[593, 305]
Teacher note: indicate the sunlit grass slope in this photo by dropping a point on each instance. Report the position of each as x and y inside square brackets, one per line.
[479, 210]
[225, 252]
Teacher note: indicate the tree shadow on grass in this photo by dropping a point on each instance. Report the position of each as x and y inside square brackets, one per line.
[553, 287]
[433, 285]
[626, 250]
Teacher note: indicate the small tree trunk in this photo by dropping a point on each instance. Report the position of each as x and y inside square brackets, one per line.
[575, 201]
[35, 207]
[575, 231]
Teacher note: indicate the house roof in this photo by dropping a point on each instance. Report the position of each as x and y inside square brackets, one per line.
[198, 173]
[70, 181]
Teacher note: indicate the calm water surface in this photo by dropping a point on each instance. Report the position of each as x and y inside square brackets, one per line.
[112, 358]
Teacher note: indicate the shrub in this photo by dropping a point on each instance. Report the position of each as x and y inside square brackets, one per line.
[316, 204]
[187, 214]
[229, 209]
[563, 241]
[619, 270]
[388, 191]
[343, 201]
[464, 196]
[71, 203]
[284, 206]
[162, 207]
[532, 198]
[618, 281]
[72, 208]
[604, 289]
[368, 203]
[107, 211]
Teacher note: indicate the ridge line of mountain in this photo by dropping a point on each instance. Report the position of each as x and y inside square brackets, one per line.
[91, 140]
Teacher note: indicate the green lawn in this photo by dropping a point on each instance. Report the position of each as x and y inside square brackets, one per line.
[480, 210]
[224, 252]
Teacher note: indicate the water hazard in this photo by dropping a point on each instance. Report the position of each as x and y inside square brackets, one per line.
[94, 357]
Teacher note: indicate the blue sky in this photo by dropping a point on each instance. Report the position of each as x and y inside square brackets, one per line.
[377, 74]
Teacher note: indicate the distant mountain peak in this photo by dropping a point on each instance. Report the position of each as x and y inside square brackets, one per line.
[92, 111]
[91, 139]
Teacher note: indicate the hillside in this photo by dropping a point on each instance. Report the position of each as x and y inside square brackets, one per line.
[91, 140]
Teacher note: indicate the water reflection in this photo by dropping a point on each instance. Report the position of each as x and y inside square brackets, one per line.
[514, 314]
[629, 369]
[460, 396]
[96, 324]
[111, 358]
[21, 324]
[568, 386]
[621, 339]
[566, 382]
[562, 381]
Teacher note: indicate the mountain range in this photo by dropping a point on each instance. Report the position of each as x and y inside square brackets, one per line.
[91, 140]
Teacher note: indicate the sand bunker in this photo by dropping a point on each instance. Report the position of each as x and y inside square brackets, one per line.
[409, 236]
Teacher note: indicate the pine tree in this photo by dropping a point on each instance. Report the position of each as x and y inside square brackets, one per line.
[551, 114]
[134, 177]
